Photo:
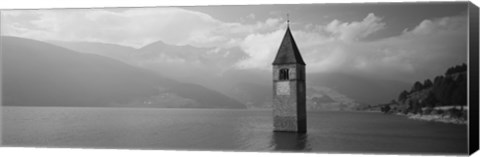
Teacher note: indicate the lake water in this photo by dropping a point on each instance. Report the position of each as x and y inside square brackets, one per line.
[224, 129]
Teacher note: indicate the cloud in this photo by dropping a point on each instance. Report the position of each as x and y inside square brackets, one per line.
[315, 44]
[355, 30]
[422, 52]
[131, 27]
[439, 25]
[261, 49]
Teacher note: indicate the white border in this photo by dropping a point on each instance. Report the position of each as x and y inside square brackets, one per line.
[45, 4]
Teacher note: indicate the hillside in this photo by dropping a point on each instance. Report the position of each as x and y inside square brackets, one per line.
[40, 74]
[449, 89]
[117, 52]
[362, 90]
[213, 68]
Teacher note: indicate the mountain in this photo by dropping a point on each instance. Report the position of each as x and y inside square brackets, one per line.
[325, 91]
[181, 63]
[114, 51]
[363, 90]
[324, 98]
[253, 95]
[215, 69]
[445, 90]
[40, 74]
[210, 56]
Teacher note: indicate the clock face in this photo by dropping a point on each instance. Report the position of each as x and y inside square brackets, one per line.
[283, 88]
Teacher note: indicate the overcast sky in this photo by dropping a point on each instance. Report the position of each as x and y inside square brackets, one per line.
[393, 41]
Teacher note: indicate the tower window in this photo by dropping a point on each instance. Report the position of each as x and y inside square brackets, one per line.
[283, 74]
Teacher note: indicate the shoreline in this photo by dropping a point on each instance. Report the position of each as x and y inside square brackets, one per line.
[435, 118]
[452, 114]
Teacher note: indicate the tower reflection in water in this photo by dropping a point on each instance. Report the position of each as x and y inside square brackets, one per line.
[289, 141]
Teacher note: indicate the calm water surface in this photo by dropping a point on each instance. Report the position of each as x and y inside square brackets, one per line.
[223, 129]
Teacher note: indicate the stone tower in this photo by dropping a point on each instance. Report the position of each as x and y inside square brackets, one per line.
[289, 93]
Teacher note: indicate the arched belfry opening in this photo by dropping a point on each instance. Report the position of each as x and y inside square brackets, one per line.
[283, 74]
[289, 98]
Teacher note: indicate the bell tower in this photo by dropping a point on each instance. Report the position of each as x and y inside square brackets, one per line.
[289, 93]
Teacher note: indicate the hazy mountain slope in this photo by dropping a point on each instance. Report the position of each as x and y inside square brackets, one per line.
[323, 98]
[181, 63]
[256, 88]
[40, 74]
[108, 50]
[158, 48]
[360, 89]
[252, 95]
[213, 68]
[363, 90]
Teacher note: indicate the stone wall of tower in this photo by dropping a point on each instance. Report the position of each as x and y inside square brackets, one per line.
[301, 99]
[289, 99]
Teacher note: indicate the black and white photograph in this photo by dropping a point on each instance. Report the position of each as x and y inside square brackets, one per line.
[354, 78]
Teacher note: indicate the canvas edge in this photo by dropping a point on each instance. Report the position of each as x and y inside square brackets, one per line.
[473, 58]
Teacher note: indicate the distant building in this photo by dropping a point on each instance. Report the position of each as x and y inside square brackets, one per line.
[289, 91]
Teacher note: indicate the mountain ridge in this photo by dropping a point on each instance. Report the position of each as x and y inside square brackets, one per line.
[211, 69]
[40, 74]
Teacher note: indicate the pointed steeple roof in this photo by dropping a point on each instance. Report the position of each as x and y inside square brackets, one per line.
[288, 52]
